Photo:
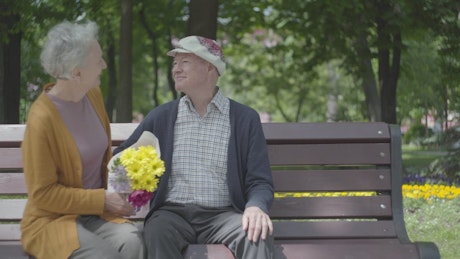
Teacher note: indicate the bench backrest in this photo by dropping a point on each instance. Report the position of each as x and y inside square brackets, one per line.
[350, 174]
[338, 181]
[12, 184]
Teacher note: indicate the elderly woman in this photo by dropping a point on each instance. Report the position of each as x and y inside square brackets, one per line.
[66, 148]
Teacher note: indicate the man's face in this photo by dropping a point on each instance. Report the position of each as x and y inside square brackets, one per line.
[189, 72]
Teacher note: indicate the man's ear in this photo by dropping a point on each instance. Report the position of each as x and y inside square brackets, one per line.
[76, 73]
[211, 67]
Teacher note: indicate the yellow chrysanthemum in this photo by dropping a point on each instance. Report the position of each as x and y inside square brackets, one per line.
[143, 166]
[430, 191]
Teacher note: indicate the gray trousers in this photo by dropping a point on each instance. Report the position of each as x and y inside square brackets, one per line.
[172, 227]
[100, 239]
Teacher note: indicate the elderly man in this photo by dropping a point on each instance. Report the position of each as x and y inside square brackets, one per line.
[217, 188]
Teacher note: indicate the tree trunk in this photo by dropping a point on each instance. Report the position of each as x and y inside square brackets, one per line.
[389, 54]
[368, 79]
[125, 94]
[445, 106]
[112, 71]
[171, 85]
[2, 83]
[169, 75]
[389, 84]
[203, 18]
[10, 77]
[332, 99]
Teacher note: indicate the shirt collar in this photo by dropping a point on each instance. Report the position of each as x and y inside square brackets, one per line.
[219, 101]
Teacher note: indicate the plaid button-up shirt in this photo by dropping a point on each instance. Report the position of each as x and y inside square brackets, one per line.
[199, 163]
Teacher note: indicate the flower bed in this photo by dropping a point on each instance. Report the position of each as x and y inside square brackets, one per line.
[416, 191]
[430, 191]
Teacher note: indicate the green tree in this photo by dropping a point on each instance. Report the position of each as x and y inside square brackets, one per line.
[23, 26]
[284, 57]
[106, 14]
[356, 32]
[420, 78]
[160, 30]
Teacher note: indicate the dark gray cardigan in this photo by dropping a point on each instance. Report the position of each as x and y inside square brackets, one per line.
[249, 177]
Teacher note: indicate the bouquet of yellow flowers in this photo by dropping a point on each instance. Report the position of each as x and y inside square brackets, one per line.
[136, 171]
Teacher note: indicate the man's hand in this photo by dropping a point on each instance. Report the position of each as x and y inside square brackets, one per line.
[257, 224]
[115, 204]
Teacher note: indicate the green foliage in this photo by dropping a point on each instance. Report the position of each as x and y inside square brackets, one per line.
[418, 88]
[285, 58]
[416, 160]
[449, 165]
[416, 133]
[264, 74]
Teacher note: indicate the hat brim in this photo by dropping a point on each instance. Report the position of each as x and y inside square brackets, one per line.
[173, 52]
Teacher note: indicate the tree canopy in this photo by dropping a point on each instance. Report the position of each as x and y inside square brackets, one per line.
[313, 60]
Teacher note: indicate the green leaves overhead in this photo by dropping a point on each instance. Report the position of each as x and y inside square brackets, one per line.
[293, 59]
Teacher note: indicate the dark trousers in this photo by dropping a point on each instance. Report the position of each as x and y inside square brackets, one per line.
[172, 227]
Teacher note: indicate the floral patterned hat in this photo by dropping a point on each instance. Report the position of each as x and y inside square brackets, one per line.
[204, 48]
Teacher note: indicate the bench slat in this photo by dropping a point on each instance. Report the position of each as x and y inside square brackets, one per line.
[217, 251]
[332, 207]
[289, 230]
[14, 133]
[330, 154]
[11, 158]
[284, 181]
[329, 250]
[10, 232]
[283, 208]
[320, 180]
[302, 230]
[11, 134]
[12, 210]
[120, 131]
[12, 183]
[344, 132]
[326, 250]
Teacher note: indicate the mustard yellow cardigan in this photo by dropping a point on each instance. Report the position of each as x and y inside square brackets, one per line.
[53, 173]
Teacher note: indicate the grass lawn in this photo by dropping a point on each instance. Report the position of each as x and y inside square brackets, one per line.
[415, 159]
[435, 220]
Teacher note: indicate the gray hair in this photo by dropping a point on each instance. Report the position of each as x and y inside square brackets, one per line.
[67, 47]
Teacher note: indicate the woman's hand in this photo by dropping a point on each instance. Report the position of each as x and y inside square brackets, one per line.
[115, 204]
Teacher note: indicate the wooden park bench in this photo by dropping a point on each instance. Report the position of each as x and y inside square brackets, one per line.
[362, 160]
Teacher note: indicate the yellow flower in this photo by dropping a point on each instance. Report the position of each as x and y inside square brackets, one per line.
[143, 166]
[430, 191]
[425, 191]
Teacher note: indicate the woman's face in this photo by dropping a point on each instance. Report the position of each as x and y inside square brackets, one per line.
[90, 73]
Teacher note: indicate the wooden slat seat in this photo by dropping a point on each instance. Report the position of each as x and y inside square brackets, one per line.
[338, 192]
